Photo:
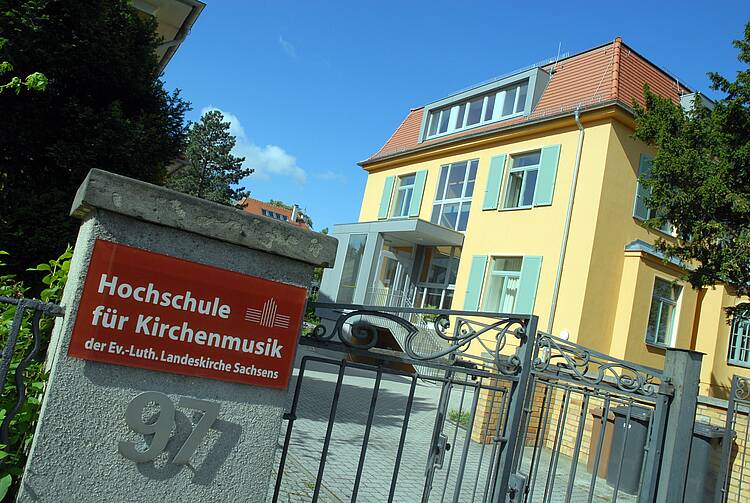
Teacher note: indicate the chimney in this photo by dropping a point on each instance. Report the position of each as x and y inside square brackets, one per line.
[295, 210]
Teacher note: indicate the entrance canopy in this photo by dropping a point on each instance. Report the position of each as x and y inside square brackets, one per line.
[406, 232]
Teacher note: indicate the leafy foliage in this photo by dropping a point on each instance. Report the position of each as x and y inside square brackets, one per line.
[22, 426]
[700, 178]
[212, 171]
[103, 107]
[33, 82]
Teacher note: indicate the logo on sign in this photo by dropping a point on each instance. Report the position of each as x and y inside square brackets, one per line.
[268, 316]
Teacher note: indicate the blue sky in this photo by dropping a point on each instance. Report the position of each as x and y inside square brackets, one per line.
[313, 87]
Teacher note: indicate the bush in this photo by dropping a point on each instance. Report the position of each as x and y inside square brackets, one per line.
[23, 424]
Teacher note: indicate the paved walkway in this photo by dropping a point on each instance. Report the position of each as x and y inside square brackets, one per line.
[346, 443]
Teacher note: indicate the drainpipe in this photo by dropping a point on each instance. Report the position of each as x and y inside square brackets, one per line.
[566, 229]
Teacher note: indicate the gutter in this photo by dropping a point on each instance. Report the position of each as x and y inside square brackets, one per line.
[197, 7]
[450, 141]
[566, 228]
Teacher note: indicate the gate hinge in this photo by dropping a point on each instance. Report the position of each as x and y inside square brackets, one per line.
[666, 388]
[288, 416]
[516, 488]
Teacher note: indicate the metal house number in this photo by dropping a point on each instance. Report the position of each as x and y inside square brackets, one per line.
[163, 424]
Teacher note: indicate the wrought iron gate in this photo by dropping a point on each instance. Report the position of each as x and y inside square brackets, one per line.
[505, 420]
[733, 477]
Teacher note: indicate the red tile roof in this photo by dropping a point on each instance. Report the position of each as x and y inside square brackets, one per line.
[256, 206]
[609, 73]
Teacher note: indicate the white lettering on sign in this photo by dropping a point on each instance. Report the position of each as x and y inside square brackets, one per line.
[150, 295]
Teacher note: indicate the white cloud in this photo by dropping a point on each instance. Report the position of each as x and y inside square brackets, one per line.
[287, 47]
[268, 161]
[329, 175]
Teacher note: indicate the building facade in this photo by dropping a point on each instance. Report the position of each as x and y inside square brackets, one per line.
[291, 215]
[521, 195]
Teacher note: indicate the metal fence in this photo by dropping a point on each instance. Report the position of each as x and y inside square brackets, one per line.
[28, 315]
[505, 413]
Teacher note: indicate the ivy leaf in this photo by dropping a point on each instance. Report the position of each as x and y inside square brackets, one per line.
[5, 483]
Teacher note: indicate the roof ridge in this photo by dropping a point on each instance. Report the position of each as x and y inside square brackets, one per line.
[616, 56]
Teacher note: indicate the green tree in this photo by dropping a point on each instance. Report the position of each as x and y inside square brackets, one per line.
[700, 178]
[103, 107]
[212, 172]
[280, 204]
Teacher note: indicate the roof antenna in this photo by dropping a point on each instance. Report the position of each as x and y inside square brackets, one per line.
[557, 58]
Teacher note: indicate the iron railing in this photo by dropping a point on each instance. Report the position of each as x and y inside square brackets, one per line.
[37, 309]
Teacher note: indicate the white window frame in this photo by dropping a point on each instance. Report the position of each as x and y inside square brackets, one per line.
[675, 313]
[404, 211]
[465, 198]
[506, 274]
[741, 346]
[666, 228]
[510, 170]
[435, 115]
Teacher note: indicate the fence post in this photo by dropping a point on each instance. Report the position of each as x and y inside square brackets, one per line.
[512, 433]
[682, 367]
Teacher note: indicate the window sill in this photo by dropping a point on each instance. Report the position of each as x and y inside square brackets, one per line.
[641, 222]
[517, 208]
[745, 365]
[656, 345]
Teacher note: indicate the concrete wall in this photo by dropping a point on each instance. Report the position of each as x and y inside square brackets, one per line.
[75, 456]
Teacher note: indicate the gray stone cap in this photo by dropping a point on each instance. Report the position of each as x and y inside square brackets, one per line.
[151, 203]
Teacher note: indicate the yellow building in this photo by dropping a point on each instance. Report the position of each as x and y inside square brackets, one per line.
[521, 195]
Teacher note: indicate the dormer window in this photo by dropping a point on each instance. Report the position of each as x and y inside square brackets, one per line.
[502, 104]
[499, 100]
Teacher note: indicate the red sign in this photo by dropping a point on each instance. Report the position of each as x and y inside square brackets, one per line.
[143, 309]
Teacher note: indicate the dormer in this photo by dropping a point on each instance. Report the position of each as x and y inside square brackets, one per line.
[496, 101]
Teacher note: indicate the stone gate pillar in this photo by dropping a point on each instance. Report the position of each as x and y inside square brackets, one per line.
[169, 371]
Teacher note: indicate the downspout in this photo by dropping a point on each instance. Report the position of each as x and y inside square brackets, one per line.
[566, 229]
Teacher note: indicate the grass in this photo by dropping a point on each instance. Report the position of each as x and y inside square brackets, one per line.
[460, 417]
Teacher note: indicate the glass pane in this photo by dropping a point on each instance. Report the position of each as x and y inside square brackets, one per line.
[444, 117]
[433, 123]
[510, 101]
[463, 218]
[432, 298]
[350, 272]
[387, 272]
[439, 264]
[453, 272]
[528, 189]
[522, 96]
[472, 177]
[448, 299]
[653, 321]
[509, 294]
[407, 180]
[507, 264]
[490, 107]
[666, 289]
[441, 182]
[530, 159]
[449, 216]
[475, 111]
[492, 294]
[664, 332]
[513, 195]
[456, 181]
[460, 117]
[435, 218]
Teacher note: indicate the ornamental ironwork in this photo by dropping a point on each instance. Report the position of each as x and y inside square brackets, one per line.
[37, 309]
[560, 357]
[359, 327]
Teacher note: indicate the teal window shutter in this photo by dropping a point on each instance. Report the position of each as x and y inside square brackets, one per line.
[641, 193]
[530, 269]
[474, 285]
[416, 198]
[494, 181]
[385, 198]
[545, 182]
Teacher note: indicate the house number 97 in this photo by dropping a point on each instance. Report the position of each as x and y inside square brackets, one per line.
[163, 424]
